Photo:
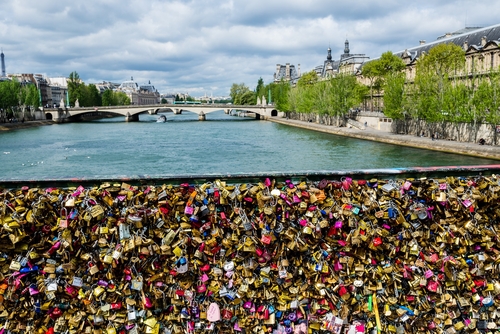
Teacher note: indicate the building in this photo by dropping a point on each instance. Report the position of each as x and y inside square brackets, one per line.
[482, 54]
[481, 46]
[140, 95]
[106, 85]
[287, 73]
[348, 63]
[169, 97]
[59, 91]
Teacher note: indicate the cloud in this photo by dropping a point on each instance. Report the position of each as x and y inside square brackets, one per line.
[203, 46]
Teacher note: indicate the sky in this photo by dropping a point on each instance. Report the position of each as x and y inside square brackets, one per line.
[202, 47]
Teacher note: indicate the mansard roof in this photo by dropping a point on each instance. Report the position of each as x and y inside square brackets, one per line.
[472, 38]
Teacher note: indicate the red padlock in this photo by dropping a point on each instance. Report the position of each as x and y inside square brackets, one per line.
[377, 241]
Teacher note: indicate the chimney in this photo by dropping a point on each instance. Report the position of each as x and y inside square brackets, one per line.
[466, 45]
[483, 41]
[287, 70]
[448, 34]
[298, 70]
[422, 42]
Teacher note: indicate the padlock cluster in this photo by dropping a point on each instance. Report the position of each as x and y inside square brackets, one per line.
[393, 256]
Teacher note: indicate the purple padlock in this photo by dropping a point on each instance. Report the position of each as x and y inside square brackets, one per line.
[102, 283]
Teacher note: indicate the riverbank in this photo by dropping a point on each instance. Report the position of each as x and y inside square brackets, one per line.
[470, 149]
[23, 125]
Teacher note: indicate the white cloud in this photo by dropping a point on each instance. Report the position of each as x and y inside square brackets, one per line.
[203, 46]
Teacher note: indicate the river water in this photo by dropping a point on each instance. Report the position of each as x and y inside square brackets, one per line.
[223, 144]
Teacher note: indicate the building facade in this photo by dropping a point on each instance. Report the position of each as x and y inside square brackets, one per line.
[140, 95]
[287, 73]
[481, 46]
[347, 64]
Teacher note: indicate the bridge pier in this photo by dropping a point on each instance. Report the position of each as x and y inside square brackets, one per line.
[131, 118]
[226, 111]
[177, 111]
[202, 116]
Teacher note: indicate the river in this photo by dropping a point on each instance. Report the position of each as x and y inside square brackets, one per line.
[223, 144]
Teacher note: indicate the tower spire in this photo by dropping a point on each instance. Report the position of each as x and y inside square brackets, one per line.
[346, 47]
[3, 63]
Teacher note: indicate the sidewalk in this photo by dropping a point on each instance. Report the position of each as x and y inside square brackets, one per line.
[471, 149]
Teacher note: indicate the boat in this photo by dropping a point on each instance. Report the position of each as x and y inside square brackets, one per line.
[161, 119]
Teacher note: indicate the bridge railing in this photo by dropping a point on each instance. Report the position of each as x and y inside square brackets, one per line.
[389, 173]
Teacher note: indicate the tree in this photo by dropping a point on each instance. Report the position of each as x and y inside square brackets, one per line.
[376, 70]
[121, 99]
[394, 95]
[107, 98]
[241, 94]
[260, 89]
[10, 92]
[94, 95]
[74, 83]
[306, 90]
[434, 71]
[279, 94]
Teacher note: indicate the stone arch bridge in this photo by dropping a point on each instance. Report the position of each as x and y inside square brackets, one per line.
[131, 113]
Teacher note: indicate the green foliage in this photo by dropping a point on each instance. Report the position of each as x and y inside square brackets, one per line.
[94, 96]
[377, 70]
[437, 92]
[308, 79]
[114, 98]
[394, 95]
[74, 92]
[107, 98]
[333, 97]
[260, 90]
[121, 99]
[241, 94]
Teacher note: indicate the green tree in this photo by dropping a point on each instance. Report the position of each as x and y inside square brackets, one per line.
[376, 70]
[260, 90]
[121, 99]
[107, 98]
[370, 71]
[433, 77]
[307, 91]
[94, 95]
[74, 92]
[10, 94]
[394, 95]
[491, 97]
[241, 94]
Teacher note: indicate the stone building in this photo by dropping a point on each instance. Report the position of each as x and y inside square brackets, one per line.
[481, 46]
[348, 63]
[140, 95]
[482, 54]
[287, 73]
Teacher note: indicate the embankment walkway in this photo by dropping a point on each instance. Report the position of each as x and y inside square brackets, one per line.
[471, 149]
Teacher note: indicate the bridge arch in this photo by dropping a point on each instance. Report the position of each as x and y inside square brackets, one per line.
[274, 113]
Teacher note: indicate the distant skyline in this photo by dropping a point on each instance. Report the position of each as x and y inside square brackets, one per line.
[203, 46]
